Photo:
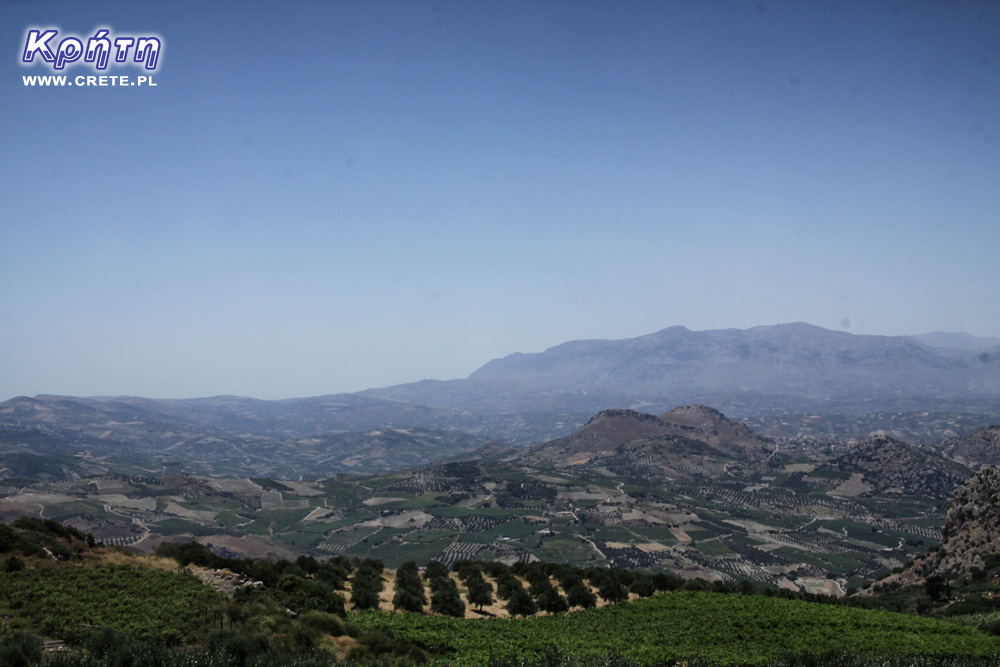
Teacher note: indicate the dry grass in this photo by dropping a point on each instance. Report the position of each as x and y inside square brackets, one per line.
[110, 556]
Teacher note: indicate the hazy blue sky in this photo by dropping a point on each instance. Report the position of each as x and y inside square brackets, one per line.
[330, 196]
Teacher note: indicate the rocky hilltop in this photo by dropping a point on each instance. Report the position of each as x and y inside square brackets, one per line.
[709, 425]
[703, 428]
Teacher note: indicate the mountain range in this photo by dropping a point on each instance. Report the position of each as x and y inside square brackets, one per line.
[789, 366]
[521, 399]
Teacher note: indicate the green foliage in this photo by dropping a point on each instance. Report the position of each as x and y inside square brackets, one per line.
[314, 595]
[480, 592]
[507, 584]
[13, 564]
[326, 623]
[612, 590]
[115, 649]
[578, 595]
[435, 569]
[238, 648]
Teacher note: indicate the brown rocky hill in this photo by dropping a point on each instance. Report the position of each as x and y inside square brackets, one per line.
[606, 433]
[888, 465]
[978, 448]
[970, 534]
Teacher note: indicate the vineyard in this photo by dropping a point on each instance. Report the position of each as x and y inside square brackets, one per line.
[686, 625]
[71, 602]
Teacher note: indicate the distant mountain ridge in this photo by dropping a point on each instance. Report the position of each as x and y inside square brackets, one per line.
[784, 359]
[799, 366]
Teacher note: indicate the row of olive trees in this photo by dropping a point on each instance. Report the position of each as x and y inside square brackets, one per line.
[612, 585]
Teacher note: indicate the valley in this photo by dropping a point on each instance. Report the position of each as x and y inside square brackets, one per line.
[831, 469]
[793, 519]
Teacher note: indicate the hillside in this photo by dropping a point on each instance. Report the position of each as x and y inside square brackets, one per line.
[700, 626]
[881, 464]
[730, 437]
[690, 491]
[957, 341]
[960, 577]
[979, 448]
[973, 524]
[661, 502]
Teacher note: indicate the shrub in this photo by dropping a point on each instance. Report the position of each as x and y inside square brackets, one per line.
[13, 564]
[324, 622]
[20, 650]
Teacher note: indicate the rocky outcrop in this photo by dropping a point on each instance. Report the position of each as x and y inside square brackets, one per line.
[969, 536]
[225, 581]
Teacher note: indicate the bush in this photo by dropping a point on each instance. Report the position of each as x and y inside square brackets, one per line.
[13, 564]
[237, 646]
[324, 622]
[20, 650]
[114, 649]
